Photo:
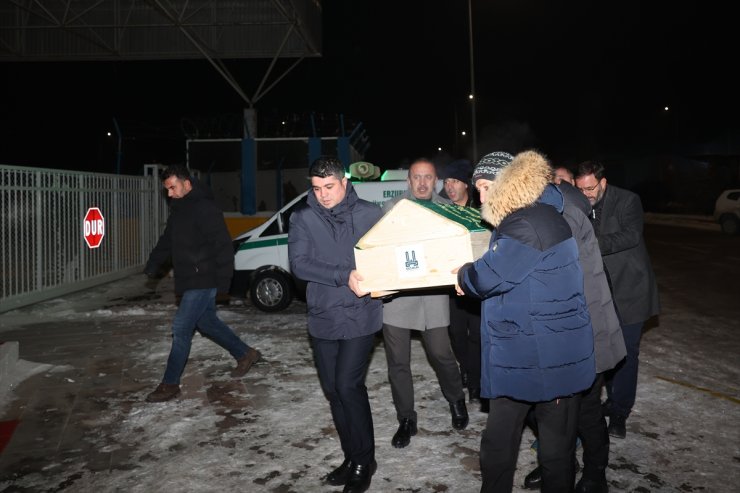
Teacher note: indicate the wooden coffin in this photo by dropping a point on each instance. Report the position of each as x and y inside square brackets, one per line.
[417, 245]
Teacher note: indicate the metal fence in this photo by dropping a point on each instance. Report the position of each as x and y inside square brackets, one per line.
[44, 253]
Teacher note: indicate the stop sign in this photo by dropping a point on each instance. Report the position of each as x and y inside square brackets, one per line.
[93, 227]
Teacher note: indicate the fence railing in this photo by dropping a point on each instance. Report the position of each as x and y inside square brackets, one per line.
[43, 253]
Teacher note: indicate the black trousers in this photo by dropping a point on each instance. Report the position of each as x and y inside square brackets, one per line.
[342, 367]
[556, 422]
[621, 382]
[465, 336]
[593, 432]
[398, 353]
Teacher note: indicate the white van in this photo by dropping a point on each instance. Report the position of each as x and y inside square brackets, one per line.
[261, 254]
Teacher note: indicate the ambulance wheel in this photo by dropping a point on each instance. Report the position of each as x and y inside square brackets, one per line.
[271, 291]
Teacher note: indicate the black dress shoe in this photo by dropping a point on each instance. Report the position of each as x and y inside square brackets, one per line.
[339, 476]
[474, 394]
[533, 480]
[359, 477]
[459, 414]
[585, 485]
[406, 429]
[617, 426]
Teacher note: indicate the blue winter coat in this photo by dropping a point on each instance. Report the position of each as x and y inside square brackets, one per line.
[321, 251]
[536, 336]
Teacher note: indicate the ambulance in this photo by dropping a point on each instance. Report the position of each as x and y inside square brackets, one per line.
[261, 267]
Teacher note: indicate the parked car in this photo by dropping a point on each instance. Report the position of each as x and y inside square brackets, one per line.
[261, 266]
[727, 211]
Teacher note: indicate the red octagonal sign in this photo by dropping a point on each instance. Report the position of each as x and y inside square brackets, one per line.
[93, 227]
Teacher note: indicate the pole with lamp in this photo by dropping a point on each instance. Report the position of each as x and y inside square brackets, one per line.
[472, 82]
[119, 151]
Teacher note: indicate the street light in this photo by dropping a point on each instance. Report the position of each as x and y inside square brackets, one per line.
[472, 81]
[119, 152]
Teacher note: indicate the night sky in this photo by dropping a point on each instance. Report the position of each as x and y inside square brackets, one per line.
[575, 80]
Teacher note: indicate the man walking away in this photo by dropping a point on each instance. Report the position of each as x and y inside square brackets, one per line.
[198, 244]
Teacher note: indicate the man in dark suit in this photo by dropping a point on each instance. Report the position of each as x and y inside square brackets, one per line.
[617, 219]
[342, 318]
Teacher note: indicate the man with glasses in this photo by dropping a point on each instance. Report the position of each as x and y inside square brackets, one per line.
[617, 218]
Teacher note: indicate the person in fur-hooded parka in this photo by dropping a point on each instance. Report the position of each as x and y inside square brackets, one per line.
[536, 330]
[536, 336]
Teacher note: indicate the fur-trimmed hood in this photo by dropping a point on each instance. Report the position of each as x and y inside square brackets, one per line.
[518, 185]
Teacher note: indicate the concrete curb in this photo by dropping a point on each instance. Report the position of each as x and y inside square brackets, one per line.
[8, 359]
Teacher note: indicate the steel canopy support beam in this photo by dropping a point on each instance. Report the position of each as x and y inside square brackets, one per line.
[65, 24]
[296, 22]
[258, 93]
[109, 30]
[217, 64]
[286, 72]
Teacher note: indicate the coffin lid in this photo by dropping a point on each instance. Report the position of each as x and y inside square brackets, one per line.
[410, 220]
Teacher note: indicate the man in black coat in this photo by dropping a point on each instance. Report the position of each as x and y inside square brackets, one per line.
[617, 219]
[609, 347]
[198, 243]
[342, 318]
[464, 311]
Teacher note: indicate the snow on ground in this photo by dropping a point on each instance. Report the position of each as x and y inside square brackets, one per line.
[272, 432]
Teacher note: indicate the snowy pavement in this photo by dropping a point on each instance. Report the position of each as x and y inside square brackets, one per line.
[90, 358]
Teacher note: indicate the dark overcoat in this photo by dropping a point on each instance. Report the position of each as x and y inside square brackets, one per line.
[619, 231]
[321, 251]
[609, 346]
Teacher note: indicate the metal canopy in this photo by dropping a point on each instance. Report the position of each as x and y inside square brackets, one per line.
[74, 30]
